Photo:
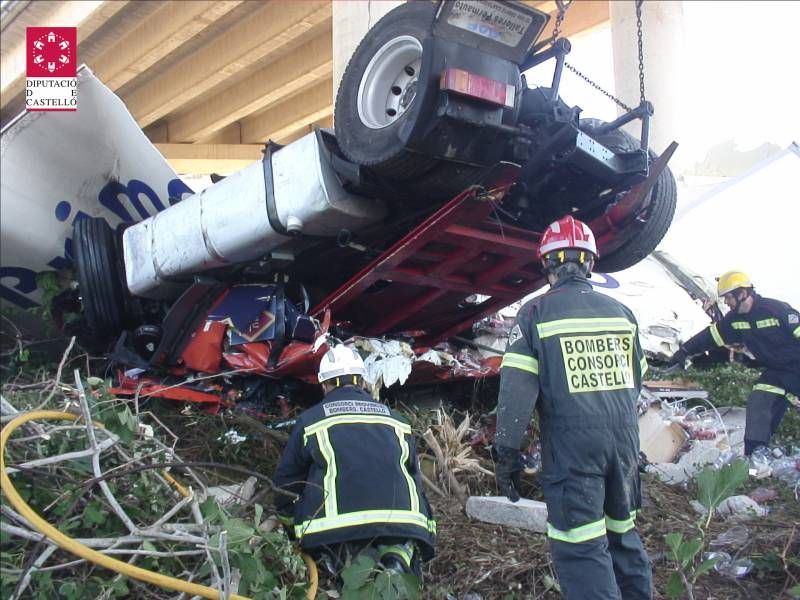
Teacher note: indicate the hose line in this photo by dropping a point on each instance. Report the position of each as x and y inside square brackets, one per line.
[78, 549]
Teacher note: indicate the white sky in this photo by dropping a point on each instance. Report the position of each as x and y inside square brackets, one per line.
[742, 60]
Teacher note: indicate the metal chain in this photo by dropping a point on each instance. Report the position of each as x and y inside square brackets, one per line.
[563, 6]
[641, 48]
[597, 86]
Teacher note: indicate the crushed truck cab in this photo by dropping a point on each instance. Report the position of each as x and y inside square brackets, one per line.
[420, 213]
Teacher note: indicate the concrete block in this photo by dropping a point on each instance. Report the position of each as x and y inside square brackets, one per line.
[525, 514]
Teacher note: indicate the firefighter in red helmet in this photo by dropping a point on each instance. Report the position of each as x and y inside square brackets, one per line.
[574, 355]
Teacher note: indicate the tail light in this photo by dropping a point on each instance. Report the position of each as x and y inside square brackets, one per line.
[475, 86]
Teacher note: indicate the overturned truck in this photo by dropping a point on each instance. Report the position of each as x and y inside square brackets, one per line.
[419, 215]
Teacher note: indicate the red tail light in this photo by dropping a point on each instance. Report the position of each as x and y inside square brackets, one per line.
[476, 86]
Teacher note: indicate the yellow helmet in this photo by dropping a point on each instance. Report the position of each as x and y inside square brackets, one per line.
[732, 280]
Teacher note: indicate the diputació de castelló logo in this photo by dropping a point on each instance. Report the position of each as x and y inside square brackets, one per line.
[51, 61]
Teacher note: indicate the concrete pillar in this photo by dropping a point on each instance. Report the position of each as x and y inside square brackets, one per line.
[663, 33]
[351, 21]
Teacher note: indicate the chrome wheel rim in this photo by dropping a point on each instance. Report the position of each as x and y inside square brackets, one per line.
[389, 84]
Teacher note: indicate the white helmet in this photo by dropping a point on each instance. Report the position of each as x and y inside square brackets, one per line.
[340, 360]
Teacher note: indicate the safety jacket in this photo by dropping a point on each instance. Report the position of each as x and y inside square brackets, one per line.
[353, 462]
[581, 348]
[771, 332]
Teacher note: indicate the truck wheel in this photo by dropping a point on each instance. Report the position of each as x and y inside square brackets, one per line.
[98, 276]
[657, 215]
[377, 92]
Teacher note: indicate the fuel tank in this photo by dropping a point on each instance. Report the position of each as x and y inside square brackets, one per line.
[294, 192]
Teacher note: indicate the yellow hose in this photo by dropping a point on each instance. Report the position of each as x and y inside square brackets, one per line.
[70, 545]
[313, 576]
[174, 483]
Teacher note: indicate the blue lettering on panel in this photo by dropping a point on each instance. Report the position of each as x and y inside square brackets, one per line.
[176, 190]
[25, 283]
[109, 197]
[608, 281]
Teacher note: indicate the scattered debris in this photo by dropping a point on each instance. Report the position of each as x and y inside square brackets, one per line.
[660, 440]
[740, 508]
[236, 493]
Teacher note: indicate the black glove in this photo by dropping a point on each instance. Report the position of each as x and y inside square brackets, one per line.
[507, 472]
[679, 359]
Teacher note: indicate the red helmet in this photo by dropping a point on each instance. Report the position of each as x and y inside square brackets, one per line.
[567, 233]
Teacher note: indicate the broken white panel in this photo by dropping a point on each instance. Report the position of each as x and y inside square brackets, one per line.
[729, 229]
[665, 312]
[525, 513]
[59, 167]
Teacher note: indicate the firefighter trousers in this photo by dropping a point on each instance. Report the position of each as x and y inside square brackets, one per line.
[766, 405]
[591, 486]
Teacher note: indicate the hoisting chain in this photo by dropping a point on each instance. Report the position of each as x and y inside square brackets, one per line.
[640, 42]
[563, 6]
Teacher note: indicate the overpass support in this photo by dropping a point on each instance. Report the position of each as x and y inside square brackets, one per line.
[663, 34]
[351, 21]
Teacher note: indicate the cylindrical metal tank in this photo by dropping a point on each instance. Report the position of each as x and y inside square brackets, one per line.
[228, 222]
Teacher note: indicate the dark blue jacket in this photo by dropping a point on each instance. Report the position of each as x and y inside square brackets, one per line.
[353, 461]
[771, 332]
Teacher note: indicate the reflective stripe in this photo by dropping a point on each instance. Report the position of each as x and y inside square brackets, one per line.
[401, 550]
[715, 334]
[329, 483]
[404, 454]
[796, 332]
[332, 518]
[621, 526]
[768, 323]
[579, 534]
[588, 325]
[740, 325]
[520, 361]
[764, 387]
[643, 366]
[351, 419]
[365, 517]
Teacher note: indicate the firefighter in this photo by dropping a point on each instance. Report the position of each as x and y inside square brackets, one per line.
[353, 463]
[574, 355]
[770, 329]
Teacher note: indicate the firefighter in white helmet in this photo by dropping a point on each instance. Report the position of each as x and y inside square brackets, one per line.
[353, 463]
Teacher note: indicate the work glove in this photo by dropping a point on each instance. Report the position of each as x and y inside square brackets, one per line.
[507, 472]
[679, 359]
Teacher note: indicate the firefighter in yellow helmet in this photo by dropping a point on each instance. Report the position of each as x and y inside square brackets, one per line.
[770, 329]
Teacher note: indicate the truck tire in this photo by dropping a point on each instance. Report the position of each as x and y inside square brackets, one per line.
[657, 215]
[99, 277]
[377, 92]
